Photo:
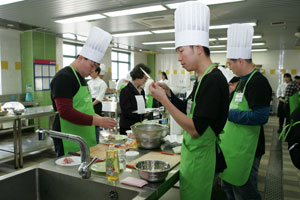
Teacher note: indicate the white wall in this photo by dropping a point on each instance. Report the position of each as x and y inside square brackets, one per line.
[287, 59]
[138, 58]
[10, 51]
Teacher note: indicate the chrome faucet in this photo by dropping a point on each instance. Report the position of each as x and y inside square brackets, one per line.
[83, 169]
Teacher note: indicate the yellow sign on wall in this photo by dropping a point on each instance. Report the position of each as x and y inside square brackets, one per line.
[175, 71]
[272, 71]
[18, 65]
[283, 71]
[182, 71]
[109, 69]
[167, 71]
[57, 67]
[159, 71]
[294, 71]
[4, 64]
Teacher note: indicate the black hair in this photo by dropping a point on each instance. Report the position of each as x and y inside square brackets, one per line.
[165, 75]
[234, 79]
[137, 73]
[288, 75]
[98, 70]
[205, 49]
[247, 60]
[297, 77]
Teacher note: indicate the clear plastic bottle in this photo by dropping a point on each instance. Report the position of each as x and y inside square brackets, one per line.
[112, 163]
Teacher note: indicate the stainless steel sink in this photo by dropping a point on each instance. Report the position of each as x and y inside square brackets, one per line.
[41, 184]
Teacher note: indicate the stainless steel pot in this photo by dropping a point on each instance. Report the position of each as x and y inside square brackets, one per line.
[153, 170]
[149, 136]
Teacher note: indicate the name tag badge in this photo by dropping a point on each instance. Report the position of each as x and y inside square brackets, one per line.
[239, 97]
[188, 106]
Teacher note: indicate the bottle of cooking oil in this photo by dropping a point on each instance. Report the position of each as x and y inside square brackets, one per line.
[112, 163]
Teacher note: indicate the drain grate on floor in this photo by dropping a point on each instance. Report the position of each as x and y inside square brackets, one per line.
[273, 189]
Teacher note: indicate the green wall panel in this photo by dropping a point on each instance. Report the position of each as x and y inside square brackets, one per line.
[151, 65]
[36, 45]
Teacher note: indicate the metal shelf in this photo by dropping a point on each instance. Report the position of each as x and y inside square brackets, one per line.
[10, 130]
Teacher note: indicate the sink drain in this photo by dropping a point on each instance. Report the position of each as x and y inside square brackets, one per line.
[113, 195]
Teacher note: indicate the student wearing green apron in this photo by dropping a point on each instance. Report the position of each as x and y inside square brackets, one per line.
[291, 134]
[71, 97]
[204, 113]
[243, 139]
[291, 97]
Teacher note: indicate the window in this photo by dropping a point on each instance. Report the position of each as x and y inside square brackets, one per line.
[120, 64]
[70, 52]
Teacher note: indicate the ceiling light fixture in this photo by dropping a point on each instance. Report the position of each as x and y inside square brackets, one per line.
[218, 46]
[158, 42]
[224, 26]
[253, 50]
[4, 2]
[163, 31]
[131, 34]
[80, 18]
[69, 36]
[206, 2]
[258, 44]
[134, 11]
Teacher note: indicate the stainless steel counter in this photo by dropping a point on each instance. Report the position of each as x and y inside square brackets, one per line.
[149, 191]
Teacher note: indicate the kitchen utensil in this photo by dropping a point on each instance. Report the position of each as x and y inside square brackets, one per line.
[149, 136]
[99, 167]
[153, 170]
[148, 76]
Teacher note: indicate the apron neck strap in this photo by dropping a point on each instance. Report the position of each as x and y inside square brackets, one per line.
[199, 83]
[75, 75]
[252, 73]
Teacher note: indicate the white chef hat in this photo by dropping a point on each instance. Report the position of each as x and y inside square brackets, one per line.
[192, 24]
[96, 44]
[239, 42]
[103, 69]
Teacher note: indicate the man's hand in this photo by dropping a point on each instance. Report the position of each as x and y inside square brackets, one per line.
[104, 122]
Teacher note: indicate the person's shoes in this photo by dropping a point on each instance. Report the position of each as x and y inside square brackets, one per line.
[279, 130]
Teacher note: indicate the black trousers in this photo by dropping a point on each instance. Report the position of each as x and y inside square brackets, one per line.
[281, 114]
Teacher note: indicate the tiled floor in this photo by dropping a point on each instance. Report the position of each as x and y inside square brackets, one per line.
[290, 185]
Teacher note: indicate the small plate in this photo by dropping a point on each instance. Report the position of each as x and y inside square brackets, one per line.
[99, 167]
[76, 161]
[118, 138]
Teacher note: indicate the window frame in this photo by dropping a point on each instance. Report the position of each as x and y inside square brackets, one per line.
[118, 62]
[76, 49]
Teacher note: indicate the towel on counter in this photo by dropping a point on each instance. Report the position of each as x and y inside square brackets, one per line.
[134, 182]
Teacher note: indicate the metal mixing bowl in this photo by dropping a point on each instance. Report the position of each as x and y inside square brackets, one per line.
[149, 136]
[153, 170]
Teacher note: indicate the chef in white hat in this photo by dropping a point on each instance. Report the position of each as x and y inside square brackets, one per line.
[71, 97]
[203, 115]
[243, 140]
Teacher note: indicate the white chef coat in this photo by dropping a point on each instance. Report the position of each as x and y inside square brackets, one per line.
[97, 88]
[281, 89]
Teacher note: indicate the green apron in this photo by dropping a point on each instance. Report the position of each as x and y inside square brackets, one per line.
[239, 143]
[122, 86]
[198, 160]
[294, 102]
[149, 101]
[82, 101]
[289, 127]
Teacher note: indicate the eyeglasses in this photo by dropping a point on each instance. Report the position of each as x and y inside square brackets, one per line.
[96, 65]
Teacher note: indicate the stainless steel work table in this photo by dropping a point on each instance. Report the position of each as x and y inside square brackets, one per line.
[32, 144]
[33, 113]
[13, 118]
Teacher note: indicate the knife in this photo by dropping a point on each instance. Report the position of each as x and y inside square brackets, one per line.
[91, 158]
[146, 73]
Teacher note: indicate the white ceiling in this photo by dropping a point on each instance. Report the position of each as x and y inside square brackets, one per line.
[41, 14]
